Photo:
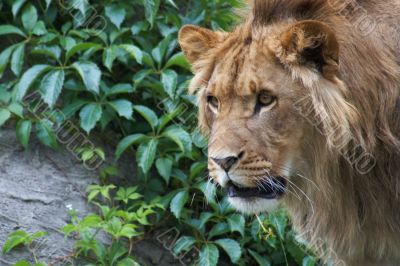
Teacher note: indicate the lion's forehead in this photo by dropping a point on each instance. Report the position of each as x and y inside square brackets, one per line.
[243, 67]
[246, 77]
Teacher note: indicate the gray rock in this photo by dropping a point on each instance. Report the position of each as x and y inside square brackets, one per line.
[35, 188]
[37, 185]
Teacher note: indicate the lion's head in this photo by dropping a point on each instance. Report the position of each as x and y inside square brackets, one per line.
[256, 84]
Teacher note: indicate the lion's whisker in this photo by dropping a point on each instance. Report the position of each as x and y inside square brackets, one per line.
[305, 195]
[295, 186]
[297, 174]
[270, 185]
[294, 192]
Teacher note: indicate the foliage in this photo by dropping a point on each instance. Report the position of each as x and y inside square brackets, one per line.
[121, 224]
[22, 238]
[113, 68]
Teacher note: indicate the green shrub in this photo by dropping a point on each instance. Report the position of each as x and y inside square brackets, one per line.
[114, 68]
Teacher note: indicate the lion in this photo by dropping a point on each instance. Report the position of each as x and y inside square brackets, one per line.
[301, 106]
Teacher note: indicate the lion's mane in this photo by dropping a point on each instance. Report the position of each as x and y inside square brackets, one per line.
[356, 212]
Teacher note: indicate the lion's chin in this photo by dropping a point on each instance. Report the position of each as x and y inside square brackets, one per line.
[254, 205]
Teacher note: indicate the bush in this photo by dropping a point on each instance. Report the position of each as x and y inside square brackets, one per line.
[114, 68]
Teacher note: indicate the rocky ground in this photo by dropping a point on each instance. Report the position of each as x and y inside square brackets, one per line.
[36, 186]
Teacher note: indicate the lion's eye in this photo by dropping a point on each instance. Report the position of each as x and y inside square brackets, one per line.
[213, 101]
[265, 99]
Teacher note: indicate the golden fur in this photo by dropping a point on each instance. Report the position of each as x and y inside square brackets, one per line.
[334, 129]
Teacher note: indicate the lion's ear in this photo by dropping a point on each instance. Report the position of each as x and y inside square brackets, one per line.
[196, 41]
[311, 43]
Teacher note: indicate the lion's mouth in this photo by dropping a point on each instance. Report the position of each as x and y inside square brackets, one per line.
[271, 188]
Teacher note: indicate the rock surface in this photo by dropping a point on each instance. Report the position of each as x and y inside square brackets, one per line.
[36, 186]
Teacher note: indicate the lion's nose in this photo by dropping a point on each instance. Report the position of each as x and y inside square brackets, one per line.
[226, 163]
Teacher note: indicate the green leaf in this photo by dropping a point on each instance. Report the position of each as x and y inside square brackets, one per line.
[127, 142]
[184, 243]
[46, 134]
[93, 194]
[261, 260]
[23, 130]
[16, 109]
[48, 2]
[17, 59]
[35, 236]
[148, 60]
[5, 58]
[109, 56]
[70, 109]
[15, 239]
[51, 86]
[231, 247]
[209, 190]
[165, 30]
[48, 37]
[150, 10]
[146, 154]
[28, 78]
[178, 202]
[180, 137]
[114, 35]
[5, 96]
[133, 51]
[53, 51]
[178, 59]
[209, 255]
[81, 47]
[236, 223]
[218, 229]
[16, 6]
[4, 116]
[128, 262]
[90, 74]
[126, 194]
[123, 108]
[39, 29]
[169, 79]
[172, 3]
[197, 168]
[309, 261]
[139, 26]
[10, 29]
[90, 115]
[295, 248]
[116, 251]
[120, 89]
[91, 220]
[140, 76]
[159, 52]
[29, 17]
[81, 5]
[204, 218]
[279, 220]
[164, 168]
[147, 114]
[172, 113]
[116, 14]
[87, 155]
[22, 263]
